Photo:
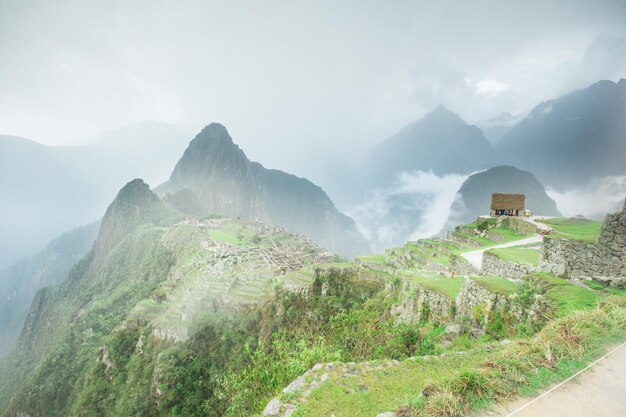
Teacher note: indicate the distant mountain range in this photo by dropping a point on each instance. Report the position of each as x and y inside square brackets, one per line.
[214, 176]
[440, 142]
[48, 190]
[570, 139]
[20, 282]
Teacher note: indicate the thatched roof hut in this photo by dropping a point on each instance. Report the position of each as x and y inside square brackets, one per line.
[507, 201]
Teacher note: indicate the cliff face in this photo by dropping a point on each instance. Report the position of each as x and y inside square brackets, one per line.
[214, 176]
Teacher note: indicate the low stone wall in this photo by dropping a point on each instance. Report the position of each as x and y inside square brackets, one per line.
[460, 266]
[576, 259]
[493, 265]
[567, 257]
[420, 305]
[477, 304]
[495, 236]
[522, 226]
[463, 240]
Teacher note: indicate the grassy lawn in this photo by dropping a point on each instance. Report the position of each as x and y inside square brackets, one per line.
[497, 285]
[576, 229]
[596, 286]
[378, 391]
[377, 258]
[567, 297]
[441, 260]
[482, 240]
[509, 235]
[517, 254]
[449, 286]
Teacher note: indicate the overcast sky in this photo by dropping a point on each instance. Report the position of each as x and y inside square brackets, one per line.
[286, 77]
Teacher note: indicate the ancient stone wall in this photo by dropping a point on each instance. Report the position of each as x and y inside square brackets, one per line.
[423, 305]
[522, 226]
[477, 304]
[493, 265]
[576, 259]
[461, 266]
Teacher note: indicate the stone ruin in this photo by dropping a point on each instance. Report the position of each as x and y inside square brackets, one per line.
[604, 261]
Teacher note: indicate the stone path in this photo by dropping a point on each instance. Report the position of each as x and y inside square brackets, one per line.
[475, 257]
[599, 391]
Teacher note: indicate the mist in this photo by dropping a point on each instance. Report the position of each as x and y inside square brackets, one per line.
[415, 206]
[284, 77]
[594, 200]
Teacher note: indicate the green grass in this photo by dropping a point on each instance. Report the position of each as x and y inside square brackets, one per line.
[441, 260]
[376, 258]
[378, 391]
[583, 230]
[497, 285]
[449, 286]
[461, 384]
[596, 286]
[333, 265]
[509, 235]
[482, 240]
[516, 254]
[567, 297]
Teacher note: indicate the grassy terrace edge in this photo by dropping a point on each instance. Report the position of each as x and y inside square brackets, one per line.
[480, 377]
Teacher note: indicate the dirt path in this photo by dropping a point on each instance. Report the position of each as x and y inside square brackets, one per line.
[599, 391]
[475, 257]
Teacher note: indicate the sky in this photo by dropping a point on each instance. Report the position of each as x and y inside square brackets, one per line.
[293, 79]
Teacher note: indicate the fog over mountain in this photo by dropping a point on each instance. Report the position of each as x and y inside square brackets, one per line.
[49, 190]
[225, 208]
[573, 138]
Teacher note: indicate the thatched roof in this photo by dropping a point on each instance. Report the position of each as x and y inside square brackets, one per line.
[507, 201]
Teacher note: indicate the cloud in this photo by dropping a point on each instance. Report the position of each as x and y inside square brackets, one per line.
[599, 197]
[490, 87]
[415, 206]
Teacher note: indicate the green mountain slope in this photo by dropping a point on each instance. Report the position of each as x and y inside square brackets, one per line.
[19, 283]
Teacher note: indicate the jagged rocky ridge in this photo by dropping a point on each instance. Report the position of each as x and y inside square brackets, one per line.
[214, 176]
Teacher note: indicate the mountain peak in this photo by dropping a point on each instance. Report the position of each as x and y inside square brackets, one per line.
[210, 152]
[134, 204]
[442, 114]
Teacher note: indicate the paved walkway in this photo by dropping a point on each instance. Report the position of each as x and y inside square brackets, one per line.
[599, 391]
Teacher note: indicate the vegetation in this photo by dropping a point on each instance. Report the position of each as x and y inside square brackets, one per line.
[455, 384]
[517, 254]
[236, 360]
[583, 230]
[449, 286]
[235, 363]
[565, 297]
[497, 285]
